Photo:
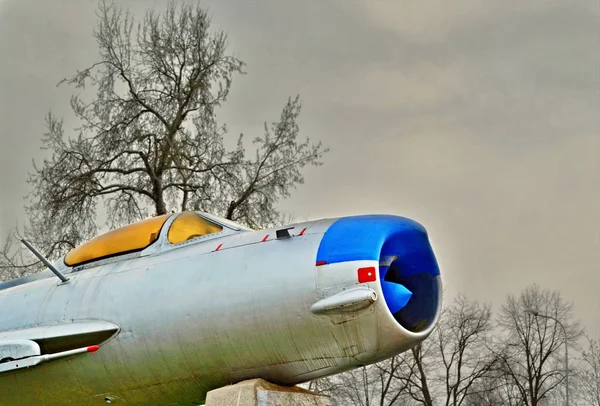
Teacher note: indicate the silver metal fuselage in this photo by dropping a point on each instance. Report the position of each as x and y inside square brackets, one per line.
[199, 316]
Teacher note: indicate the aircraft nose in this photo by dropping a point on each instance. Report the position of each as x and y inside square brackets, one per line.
[409, 275]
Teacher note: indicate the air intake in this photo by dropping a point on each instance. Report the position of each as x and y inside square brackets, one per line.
[410, 279]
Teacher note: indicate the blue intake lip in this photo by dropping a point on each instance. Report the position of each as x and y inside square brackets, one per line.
[408, 271]
[359, 238]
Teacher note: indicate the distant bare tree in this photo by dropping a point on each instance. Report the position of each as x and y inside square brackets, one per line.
[444, 369]
[448, 371]
[372, 385]
[531, 346]
[411, 372]
[414, 372]
[462, 341]
[485, 392]
[590, 375]
[149, 141]
[495, 389]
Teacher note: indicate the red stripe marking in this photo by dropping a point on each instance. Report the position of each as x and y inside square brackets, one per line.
[219, 247]
[319, 263]
[93, 348]
[302, 232]
[265, 239]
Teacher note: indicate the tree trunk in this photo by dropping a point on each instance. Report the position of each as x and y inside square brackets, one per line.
[422, 377]
[159, 201]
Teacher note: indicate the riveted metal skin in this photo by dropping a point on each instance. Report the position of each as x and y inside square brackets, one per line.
[190, 318]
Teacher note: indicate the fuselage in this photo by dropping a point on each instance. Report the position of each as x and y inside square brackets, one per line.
[213, 311]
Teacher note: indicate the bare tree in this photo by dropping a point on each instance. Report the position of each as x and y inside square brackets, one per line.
[462, 340]
[494, 389]
[458, 358]
[149, 141]
[530, 355]
[372, 385]
[414, 372]
[589, 379]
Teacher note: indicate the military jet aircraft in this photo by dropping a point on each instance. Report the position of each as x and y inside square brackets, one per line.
[162, 311]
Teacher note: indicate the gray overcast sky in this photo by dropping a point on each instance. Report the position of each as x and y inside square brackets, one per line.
[480, 119]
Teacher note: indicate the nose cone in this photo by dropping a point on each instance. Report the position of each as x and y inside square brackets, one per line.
[409, 275]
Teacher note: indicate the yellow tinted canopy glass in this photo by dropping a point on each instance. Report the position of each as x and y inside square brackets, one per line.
[190, 225]
[131, 238]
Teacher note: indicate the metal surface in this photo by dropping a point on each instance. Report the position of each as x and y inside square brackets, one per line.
[17, 349]
[351, 300]
[195, 316]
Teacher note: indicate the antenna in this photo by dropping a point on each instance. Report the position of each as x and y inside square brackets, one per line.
[45, 261]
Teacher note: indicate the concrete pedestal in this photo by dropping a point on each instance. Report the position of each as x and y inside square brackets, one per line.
[258, 392]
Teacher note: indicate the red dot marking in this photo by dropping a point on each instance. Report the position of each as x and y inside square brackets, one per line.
[93, 348]
[319, 263]
[366, 274]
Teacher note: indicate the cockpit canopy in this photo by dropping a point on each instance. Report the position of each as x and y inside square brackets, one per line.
[139, 236]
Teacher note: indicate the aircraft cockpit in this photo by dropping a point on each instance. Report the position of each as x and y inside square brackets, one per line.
[161, 231]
